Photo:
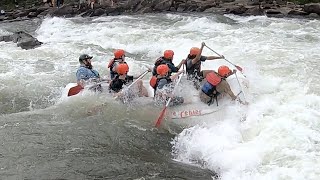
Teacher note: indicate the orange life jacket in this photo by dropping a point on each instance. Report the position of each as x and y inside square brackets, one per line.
[213, 78]
[110, 63]
[209, 87]
[153, 82]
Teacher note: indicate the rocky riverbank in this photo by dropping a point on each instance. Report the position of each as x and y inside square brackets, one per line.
[270, 8]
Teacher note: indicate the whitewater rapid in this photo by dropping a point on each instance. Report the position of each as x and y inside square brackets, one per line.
[280, 137]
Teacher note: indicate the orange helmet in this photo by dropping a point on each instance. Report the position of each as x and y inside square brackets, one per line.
[223, 71]
[162, 69]
[168, 54]
[118, 53]
[122, 68]
[194, 51]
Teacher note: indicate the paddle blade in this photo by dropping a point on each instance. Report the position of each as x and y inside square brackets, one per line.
[161, 116]
[239, 68]
[74, 90]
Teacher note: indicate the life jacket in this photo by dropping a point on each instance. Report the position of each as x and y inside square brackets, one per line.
[194, 69]
[209, 87]
[111, 66]
[213, 78]
[117, 84]
[111, 62]
[159, 61]
[154, 81]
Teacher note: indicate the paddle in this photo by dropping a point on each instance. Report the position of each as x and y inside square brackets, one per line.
[244, 97]
[76, 89]
[140, 77]
[161, 116]
[238, 67]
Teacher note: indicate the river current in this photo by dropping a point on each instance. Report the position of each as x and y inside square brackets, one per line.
[47, 136]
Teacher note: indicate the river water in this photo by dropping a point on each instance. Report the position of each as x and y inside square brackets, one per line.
[45, 135]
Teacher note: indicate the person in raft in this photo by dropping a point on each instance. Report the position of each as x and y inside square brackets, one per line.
[193, 65]
[86, 74]
[119, 58]
[216, 84]
[167, 59]
[164, 87]
[122, 78]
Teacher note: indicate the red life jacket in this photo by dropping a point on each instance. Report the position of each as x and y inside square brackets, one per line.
[110, 63]
[153, 82]
[158, 61]
[213, 78]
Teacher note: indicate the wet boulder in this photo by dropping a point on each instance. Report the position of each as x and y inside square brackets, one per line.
[312, 8]
[23, 40]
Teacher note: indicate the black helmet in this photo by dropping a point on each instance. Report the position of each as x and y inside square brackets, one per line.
[84, 57]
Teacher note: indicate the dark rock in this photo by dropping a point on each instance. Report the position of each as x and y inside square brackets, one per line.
[6, 38]
[163, 5]
[312, 8]
[241, 7]
[215, 10]
[147, 9]
[23, 40]
[237, 10]
[29, 44]
[98, 12]
[227, 1]
[22, 13]
[172, 9]
[181, 7]
[191, 8]
[314, 15]
[297, 12]
[32, 14]
[66, 11]
[281, 2]
[207, 5]
[254, 3]
[267, 6]
[272, 11]
[255, 11]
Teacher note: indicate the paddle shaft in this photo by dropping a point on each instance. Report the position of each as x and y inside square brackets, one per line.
[97, 84]
[244, 96]
[239, 68]
[221, 56]
[140, 77]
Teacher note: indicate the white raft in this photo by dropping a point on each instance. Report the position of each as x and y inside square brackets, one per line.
[192, 109]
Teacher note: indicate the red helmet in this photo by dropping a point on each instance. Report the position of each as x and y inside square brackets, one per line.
[194, 51]
[168, 54]
[224, 71]
[162, 69]
[118, 53]
[122, 68]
